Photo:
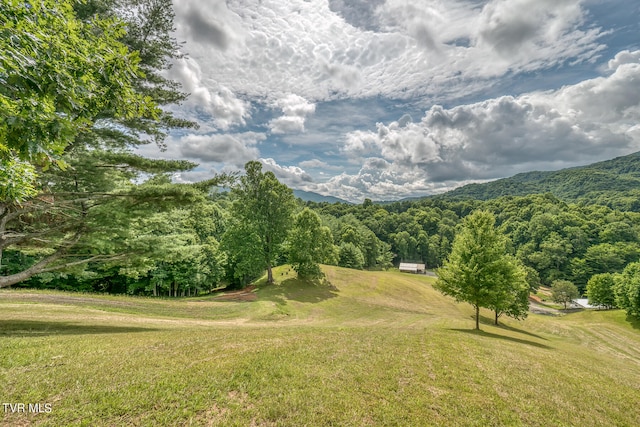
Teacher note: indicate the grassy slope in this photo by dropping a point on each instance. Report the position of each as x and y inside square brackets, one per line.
[369, 348]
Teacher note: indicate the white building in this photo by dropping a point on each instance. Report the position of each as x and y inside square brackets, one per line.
[409, 267]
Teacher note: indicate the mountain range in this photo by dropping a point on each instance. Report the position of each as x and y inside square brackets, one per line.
[615, 181]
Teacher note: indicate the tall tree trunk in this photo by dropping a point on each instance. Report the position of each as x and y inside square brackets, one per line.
[477, 317]
[269, 273]
[497, 315]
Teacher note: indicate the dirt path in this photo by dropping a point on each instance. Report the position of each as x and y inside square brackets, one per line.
[537, 308]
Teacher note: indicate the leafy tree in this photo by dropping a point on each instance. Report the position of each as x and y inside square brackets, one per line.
[94, 73]
[478, 270]
[58, 75]
[310, 243]
[627, 289]
[88, 225]
[511, 295]
[244, 251]
[264, 207]
[600, 290]
[563, 291]
[532, 277]
[350, 256]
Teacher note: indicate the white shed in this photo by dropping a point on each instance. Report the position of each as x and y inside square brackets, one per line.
[409, 267]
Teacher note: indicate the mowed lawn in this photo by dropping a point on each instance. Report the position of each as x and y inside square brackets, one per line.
[360, 348]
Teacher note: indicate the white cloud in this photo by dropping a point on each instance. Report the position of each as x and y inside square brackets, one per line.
[217, 100]
[235, 149]
[274, 65]
[317, 164]
[295, 110]
[379, 179]
[624, 57]
[576, 124]
[321, 50]
[292, 176]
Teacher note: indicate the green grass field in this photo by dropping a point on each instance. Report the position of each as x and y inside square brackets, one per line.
[358, 349]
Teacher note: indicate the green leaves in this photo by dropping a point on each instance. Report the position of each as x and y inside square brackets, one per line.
[627, 289]
[263, 210]
[309, 244]
[479, 271]
[17, 181]
[59, 74]
[563, 291]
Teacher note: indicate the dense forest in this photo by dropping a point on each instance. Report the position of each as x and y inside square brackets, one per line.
[209, 242]
[79, 210]
[614, 183]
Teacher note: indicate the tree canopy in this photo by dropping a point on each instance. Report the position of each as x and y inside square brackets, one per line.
[479, 271]
[563, 291]
[262, 211]
[309, 244]
[80, 87]
[58, 74]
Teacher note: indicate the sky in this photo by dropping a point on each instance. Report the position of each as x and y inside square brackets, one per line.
[387, 99]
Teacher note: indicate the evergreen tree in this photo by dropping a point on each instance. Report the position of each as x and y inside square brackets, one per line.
[93, 76]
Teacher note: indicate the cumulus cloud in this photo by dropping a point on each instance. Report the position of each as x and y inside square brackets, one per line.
[510, 31]
[380, 179]
[211, 24]
[235, 149]
[292, 176]
[270, 64]
[218, 101]
[359, 13]
[295, 110]
[317, 164]
[624, 57]
[330, 50]
[576, 124]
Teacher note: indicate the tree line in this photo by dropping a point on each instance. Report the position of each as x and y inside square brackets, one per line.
[79, 210]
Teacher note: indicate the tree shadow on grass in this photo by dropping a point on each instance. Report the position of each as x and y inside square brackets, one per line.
[520, 331]
[502, 337]
[34, 328]
[301, 290]
[633, 321]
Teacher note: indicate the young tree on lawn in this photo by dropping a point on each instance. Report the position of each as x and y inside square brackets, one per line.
[600, 290]
[478, 270]
[511, 296]
[264, 206]
[563, 291]
[310, 243]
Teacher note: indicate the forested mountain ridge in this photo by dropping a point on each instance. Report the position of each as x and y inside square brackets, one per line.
[614, 183]
[309, 196]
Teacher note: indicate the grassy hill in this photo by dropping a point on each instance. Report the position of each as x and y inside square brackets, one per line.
[360, 348]
[615, 181]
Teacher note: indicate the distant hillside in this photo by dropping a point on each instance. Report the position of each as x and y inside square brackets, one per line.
[309, 196]
[613, 182]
